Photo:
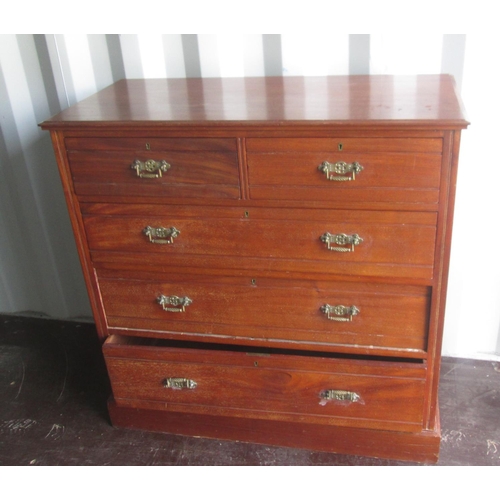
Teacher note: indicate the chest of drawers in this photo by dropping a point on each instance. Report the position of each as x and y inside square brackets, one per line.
[266, 258]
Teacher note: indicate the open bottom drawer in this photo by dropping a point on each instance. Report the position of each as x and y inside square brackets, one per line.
[266, 384]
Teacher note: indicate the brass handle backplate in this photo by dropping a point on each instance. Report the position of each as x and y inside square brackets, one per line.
[344, 242]
[337, 171]
[179, 383]
[150, 169]
[179, 303]
[161, 235]
[339, 395]
[339, 312]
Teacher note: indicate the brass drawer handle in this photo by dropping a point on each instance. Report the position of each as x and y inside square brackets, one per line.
[339, 395]
[179, 383]
[150, 169]
[339, 313]
[345, 242]
[161, 235]
[337, 171]
[179, 303]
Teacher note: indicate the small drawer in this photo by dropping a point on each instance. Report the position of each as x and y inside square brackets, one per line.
[171, 168]
[325, 315]
[271, 384]
[339, 171]
[363, 243]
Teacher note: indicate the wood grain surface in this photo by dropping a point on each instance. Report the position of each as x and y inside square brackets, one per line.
[350, 101]
[245, 191]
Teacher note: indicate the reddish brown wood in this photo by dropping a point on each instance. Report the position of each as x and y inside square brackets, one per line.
[401, 171]
[251, 204]
[151, 145]
[386, 199]
[125, 346]
[350, 101]
[445, 225]
[243, 170]
[77, 225]
[229, 382]
[267, 387]
[191, 173]
[396, 169]
[403, 248]
[238, 211]
[344, 198]
[414, 446]
[379, 147]
[185, 168]
[249, 268]
[385, 319]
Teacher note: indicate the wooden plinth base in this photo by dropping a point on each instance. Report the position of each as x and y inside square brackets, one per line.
[415, 447]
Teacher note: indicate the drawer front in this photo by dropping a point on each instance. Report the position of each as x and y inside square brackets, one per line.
[364, 170]
[343, 242]
[191, 168]
[226, 382]
[142, 144]
[320, 314]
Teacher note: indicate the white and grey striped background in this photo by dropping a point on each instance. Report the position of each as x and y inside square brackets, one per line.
[83, 64]
[43, 74]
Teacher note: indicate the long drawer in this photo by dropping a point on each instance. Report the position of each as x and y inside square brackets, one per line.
[266, 385]
[158, 167]
[321, 314]
[345, 170]
[388, 244]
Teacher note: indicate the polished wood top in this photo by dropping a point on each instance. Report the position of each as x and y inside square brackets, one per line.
[356, 100]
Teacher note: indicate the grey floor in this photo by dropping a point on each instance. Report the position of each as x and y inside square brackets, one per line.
[53, 392]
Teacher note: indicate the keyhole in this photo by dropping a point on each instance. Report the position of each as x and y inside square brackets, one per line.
[340, 146]
[148, 147]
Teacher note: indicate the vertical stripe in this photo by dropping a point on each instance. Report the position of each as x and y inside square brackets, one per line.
[33, 77]
[63, 62]
[152, 55]
[477, 206]
[359, 54]
[42, 226]
[453, 56]
[497, 348]
[13, 273]
[115, 57]
[56, 70]
[47, 70]
[253, 56]
[131, 56]
[174, 56]
[191, 56]
[209, 56]
[80, 66]
[23, 245]
[101, 64]
[333, 48]
[315, 55]
[405, 54]
[6, 302]
[231, 50]
[273, 61]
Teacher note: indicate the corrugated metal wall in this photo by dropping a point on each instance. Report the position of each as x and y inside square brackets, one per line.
[42, 74]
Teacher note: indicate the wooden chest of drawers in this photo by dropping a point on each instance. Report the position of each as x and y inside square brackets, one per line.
[267, 258]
